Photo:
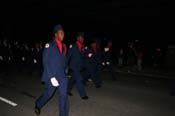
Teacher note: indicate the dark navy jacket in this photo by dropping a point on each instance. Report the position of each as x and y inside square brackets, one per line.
[75, 58]
[107, 57]
[54, 62]
[96, 58]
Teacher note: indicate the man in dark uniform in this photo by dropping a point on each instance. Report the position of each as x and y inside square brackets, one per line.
[36, 60]
[18, 56]
[75, 62]
[93, 63]
[22, 58]
[131, 56]
[107, 61]
[54, 75]
[5, 54]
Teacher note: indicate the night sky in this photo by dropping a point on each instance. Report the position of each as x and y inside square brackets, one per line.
[123, 20]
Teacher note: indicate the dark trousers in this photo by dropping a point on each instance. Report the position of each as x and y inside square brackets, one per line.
[93, 72]
[63, 97]
[111, 71]
[77, 78]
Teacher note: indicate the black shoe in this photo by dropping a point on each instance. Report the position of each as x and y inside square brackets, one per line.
[98, 86]
[37, 110]
[85, 98]
[70, 94]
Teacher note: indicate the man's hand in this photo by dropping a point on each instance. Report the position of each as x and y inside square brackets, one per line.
[108, 63]
[103, 63]
[90, 55]
[54, 82]
[106, 49]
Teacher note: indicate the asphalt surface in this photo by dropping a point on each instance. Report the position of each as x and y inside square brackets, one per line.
[130, 95]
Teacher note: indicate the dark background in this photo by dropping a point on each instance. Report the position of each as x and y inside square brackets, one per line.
[122, 20]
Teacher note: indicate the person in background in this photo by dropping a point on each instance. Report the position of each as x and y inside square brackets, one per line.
[93, 64]
[131, 57]
[75, 61]
[107, 60]
[139, 55]
[120, 57]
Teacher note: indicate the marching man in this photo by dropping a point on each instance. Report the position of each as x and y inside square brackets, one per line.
[54, 75]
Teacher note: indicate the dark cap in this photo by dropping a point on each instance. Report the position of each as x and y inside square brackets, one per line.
[93, 40]
[57, 28]
[80, 34]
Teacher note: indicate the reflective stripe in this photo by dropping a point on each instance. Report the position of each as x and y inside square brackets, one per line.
[8, 101]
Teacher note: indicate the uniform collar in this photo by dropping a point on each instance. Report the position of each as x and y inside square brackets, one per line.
[58, 41]
[59, 44]
[80, 45]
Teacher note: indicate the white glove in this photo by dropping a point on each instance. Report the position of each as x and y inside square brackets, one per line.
[9, 58]
[1, 58]
[106, 49]
[90, 55]
[23, 58]
[34, 61]
[86, 48]
[108, 63]
[90, 80]
[54, 82]
[103, 63]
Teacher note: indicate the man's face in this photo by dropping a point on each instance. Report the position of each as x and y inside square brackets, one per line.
[93, 45]
[109, 44]
[60, 35]
[81, 39]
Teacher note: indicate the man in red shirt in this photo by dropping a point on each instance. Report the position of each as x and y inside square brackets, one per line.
[54, 75]
[75, 60]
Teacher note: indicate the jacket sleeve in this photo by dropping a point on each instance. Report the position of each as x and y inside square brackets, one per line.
[69, 54]
[48, 63]
[86, 52]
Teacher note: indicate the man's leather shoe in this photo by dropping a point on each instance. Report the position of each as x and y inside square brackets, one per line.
[85, 97]
[98, 86]
[70, 94]
[37, 110]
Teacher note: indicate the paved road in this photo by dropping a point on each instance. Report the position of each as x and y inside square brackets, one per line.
[131, 95]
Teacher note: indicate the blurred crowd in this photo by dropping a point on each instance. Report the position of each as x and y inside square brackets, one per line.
[136, 56]
[20, 56]
[23, 56]
[27, 56]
